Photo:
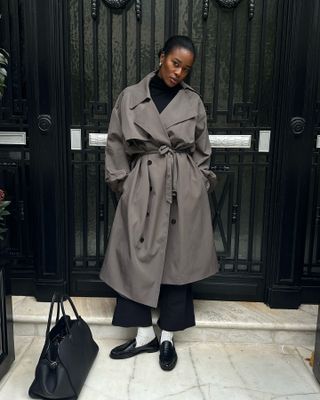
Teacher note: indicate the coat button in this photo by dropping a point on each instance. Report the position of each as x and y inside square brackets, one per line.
[141, 239]
[150, 188]
[173, 221]
[149, 162]
[148, 213]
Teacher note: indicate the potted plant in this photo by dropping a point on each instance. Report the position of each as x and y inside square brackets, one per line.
[4, 56]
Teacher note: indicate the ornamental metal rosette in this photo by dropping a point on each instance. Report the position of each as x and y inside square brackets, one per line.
[228, 4]
[115, 4]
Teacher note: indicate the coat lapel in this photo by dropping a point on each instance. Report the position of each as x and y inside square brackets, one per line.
[146, 115]
[148, 118]
[180, 109]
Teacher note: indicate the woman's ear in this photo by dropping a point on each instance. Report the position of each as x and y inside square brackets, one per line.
[161, 59]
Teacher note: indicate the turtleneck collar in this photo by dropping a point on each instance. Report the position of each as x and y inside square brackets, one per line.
[158, 83]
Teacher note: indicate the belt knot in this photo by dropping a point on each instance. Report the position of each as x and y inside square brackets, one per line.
[164, 149]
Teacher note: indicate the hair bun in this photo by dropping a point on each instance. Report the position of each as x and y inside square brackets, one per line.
[177, 41]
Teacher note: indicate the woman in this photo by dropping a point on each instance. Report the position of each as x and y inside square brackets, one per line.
[158, 157]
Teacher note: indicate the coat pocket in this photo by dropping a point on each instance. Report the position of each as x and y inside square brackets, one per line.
[204, 179]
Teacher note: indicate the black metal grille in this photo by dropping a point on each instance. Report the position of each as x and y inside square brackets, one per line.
[15, 160]
[234, 74]
[312, 245]
[243, 218]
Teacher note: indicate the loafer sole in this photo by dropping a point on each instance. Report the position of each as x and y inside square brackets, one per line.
[130, 354]
[170, 366]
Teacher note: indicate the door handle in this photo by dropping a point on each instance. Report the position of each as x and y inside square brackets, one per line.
[297, 125]
[44, 122]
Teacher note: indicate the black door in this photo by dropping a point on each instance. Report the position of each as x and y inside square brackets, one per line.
[32, 160]
[293, 240]
[256, 71]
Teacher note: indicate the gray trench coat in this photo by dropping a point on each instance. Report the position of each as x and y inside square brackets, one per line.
[162, 230]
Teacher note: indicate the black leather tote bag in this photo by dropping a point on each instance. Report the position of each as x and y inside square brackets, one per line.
[67, 356]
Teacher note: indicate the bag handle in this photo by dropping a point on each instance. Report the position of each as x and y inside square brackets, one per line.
[59, 299]
[66, 297]
[53, 301]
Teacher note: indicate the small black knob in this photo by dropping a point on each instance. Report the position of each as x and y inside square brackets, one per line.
[297, 125]
[44, 122]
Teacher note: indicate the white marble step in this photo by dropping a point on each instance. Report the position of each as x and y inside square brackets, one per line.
[216, 321]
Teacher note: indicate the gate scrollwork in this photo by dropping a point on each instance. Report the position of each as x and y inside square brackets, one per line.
[94, 9]
[252, 6]
[205, 9]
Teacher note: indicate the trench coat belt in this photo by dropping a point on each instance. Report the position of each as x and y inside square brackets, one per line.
[171, 172]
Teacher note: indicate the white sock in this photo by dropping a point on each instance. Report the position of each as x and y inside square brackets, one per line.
[144, 335]
[165, 335]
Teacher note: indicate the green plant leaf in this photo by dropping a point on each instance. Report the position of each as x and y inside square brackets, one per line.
[5, 53]
[3, 59]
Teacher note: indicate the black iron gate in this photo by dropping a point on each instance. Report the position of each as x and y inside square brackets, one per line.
[257, 69]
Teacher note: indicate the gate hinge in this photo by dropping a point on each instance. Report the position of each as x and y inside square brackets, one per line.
[235, 208]
[101, 212]
[21, 210]
[318, 216]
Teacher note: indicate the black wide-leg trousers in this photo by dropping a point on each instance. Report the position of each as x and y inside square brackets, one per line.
[175, 306]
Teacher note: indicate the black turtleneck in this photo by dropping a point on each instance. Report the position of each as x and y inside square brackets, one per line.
[162, 94]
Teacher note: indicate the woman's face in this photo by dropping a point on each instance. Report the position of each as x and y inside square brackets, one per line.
[176, 65]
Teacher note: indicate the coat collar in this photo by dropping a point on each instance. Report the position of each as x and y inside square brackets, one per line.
[141, 90]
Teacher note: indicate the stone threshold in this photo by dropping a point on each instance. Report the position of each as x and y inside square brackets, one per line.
[216, 321]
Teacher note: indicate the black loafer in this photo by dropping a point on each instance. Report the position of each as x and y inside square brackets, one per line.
[168, 356]
[129, 349]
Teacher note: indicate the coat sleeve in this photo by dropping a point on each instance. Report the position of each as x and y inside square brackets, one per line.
[202, 153]
[117, 163]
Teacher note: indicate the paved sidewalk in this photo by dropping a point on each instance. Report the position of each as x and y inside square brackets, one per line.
[205, 371]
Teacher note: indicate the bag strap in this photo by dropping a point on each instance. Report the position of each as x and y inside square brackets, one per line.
[66, 297]
[53, 301]
[59, 299]
[64, 315]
